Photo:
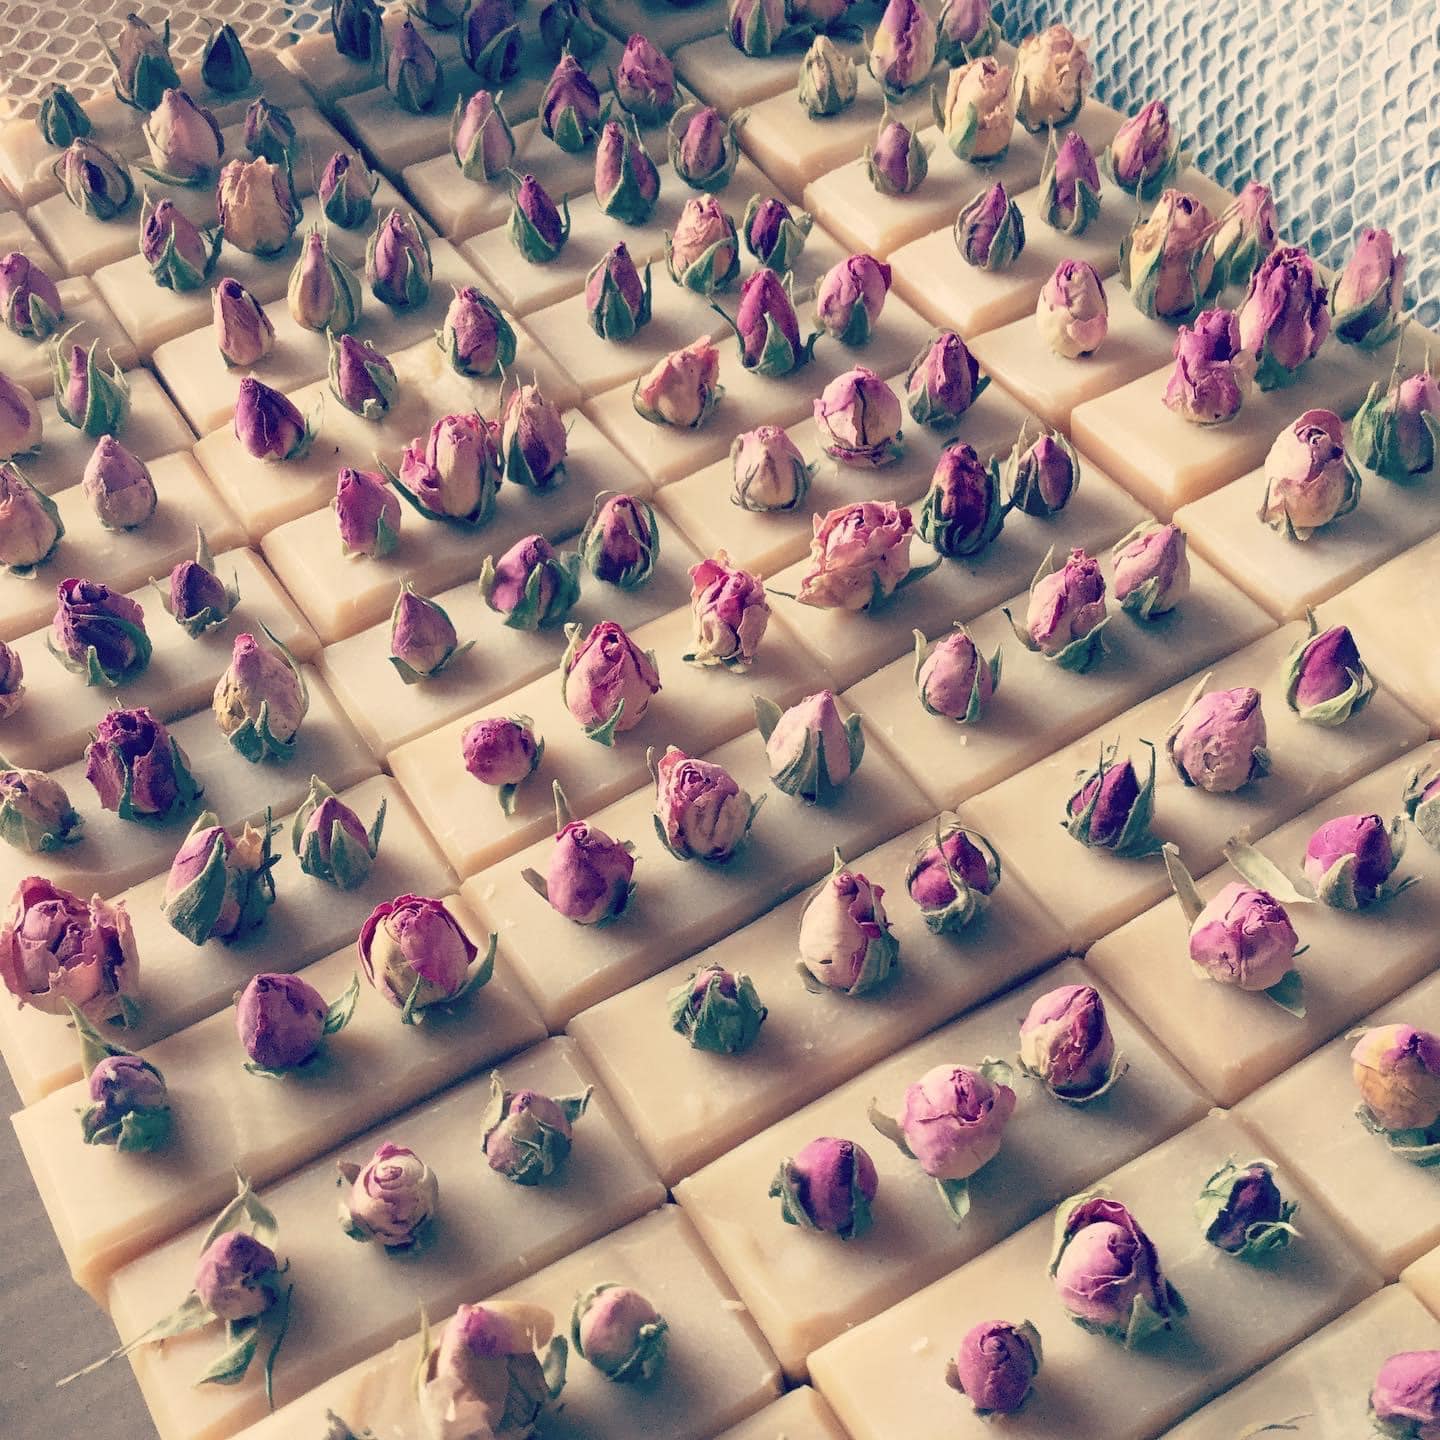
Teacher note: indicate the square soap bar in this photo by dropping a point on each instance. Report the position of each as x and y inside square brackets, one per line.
[1325, 1381]
[28, 362]
[569, 967]
[81, 244]
[667, 26]
[27, 159]
[730, 81]
[804, 1287]
[697, 708]
[799, 1415]
[350, 1300]
[1232, 1041]
[1306, 1117]
[324, 71]
[891, 1372]
[106, 1209]
[1038, 706]
[810, 1043]
[1093, 890]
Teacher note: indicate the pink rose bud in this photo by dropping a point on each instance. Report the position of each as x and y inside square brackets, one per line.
[260, 700]
[955, 680]
[766, 327]
[967, 29]
[812, 750]
[1370, 293]
[1218, 743]
[773, 234]
[476, 338]
[703, 149]
[88, 397]
[243, 332]
[391, 1199]
[1396, 1069]
[20, 425]
[98, 633]
[197, 599]
[977, 117]
[422, 636]
[701, 813]
[645, 81]
[1152, 570]
[490, 40]
[1070, 187]
[1243, 937]
[412, 73]
[61, 118]
[1066, 615]
[1326, 681]
[1309, 479]
[346, 191]
[717, 1010]
[140, 59]
[397, 262]
[219, 888]
[619, 1332]
[1247, 232]
[828, 82]
[681, 389]
[769, 471]
[1396, 431]
[238, 1277]
[850, 297]
[532, 440]
[270, 132]
[617, 300]
[1166, 262]
[416, 954]
[902, 50]
[257, 206]
[607, 681]
[1145, 152]
[990, 231]
[1112, 808]
[502, 751]
[1283, 317]
[267, 424]
[1349, 860]
[1212, 369]
[527, 1135]
[358, 34]
[323, 293]
[1405, 1399]
[367, 513]
[129, 1106]
[570, 106]
[361, 378]
[93, 180]
[845, 939]
[280, 1020]
[858, 419]
[943, 381]
[703, 253]
[530, 584]
[1052, 74]
[331, 841]
[1065, 1041]
[480, 137]
[953, 1120]
[118, 486]
[828, 1185]
[137, 769]
[620, 544]
[1043, 476]
[35, 812]
[962, 511]
[1422, 802]
[627, 184]
[730, 612]
[56, 948]
[225, 66]
[859, 556]
[754, 26]
[453, 472]
[995, 1366]
[1242, 1212]
[1072, 312]
[589, 877]
[180, 256]
[12, 680]
[952, 876]
[897, 163]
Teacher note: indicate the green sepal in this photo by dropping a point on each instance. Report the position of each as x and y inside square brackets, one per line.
[1419, 1147]
[504, 348]
[499, 59]
[789, 243]
[1119, 1065]
[882, 955]
[1087, 205]
[107, 402]
[341, 1011]
[27, 835]
[1020, 494]
[94, 1047]
[1424, 813]
[1078, 656]
[347, 309]
[777, 356]
[833, 93]
[153, 75]
[968, 903]
[489, 486]
[756, 36]
[1289, 993]
[42, 323]
[1261, 1237]
[722, 1024]
[1260, 873]
[953, 52]
[564, 570]
[933, 527]
[91, 668]
[590, 541]
[543, 1155]
[347, 211]
[225, 66]
[700, 275]
[1135, 840]
[52, 513]
[1148, 189]
[62, 118]
[1182, 883]
[956, 1195]
[1384, 332]
[571, 132]
[380, 377]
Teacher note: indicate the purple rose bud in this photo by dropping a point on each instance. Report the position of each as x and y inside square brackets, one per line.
[977, 117]
[828, 82]
[589, 877]
[1422, 802]
[196, 597]
[1396, 431]
[397, 262]
[617, 301]
[480, 137]
[12, 680]
[703, 149]
[645, 82]
[530, 584]
[323, 293]
[476, 338]
[1247, 232]
[361, 378]
[717, 1010]
[845, 941]
[1405, 1399]
[701, 813]
[943, 381]
[627, 184]
[260, 701]
[1065, 1041]
[129, 1106]
[490, 40]
[225, 66]
[850, 297]
[1309, 479]
[859, 556]
[527, 1135]
[769, 471]
[99, 634]
[30, 524]
[331, 841]
[1242, 1212]
[1145, 152]
[137, 769]
[1151, 570]
[1283, 317]
[1166, 262]
[392, 1198]
[1066, 613]
[755, 25]
[1243, 937]
[1212, 369]
[1070, 187]
[703, 253]
[35, 812]
[566, 25]
[966, 30]
[502, 751]
[28, 296]
[954, 680]
[1370, 293]
[280, 1020]
[896, 163]
[269, 133]
[358, 30]
[346, 191]
[367, 513]
[415, 953]
[267, 424]
[422, 636]
[1072, 312]
[257, 206]
[141, 61]
[533, 440]
[902, 50]
[990, 231]
[1052, 74]
[1043, 475]
[184, 140]
[453, 472]
[607, 681]
[962, 511]
[1218, 743]
[412, 73]
[828, 1185]
[730, 612]
[619, 1332]
[812, 749]
[539, 231]
[61, 118]
[995, 1366]
[96, 401]
[243, 332]
[93, 180]
[1112, 808]
[570, 106]
[179, 255]
[1326, 681]
[621, 541]
[219, 888]
[1396, 1069]
[767, 328]
[952, 876]
[237, 1278]
[773, 234]
[1349, 860]
[858, 419]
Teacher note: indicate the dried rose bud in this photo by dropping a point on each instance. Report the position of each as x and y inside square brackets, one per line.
[703, 149]
[61, 118]
[717, 1010]
[94, 400]
[367, 513]
[943, 381]
[774, 234]
[1396, 1069]
[98, 634]
[502, 751]
[620, 543]
[532, 440]
[1113, 807]
[196, 597]
[1212, 370]
[527, 1135]
[261, 699]
[417, 954]
[951, 877]
[30, 524]
[238, 1277]
[1066, 615]
[480, 137]
[990, 231]
[767, 329]
[977, 117]
[703, 253]
[490, 40]
[330, 840]
[452, 473]
[754, 26]
[1405, 1399]
[531, 585]
[1151, 570]
[730, 612]
[859, 557]
[570, 106]
[954, 680]
[1218, 743]
[828, 83]
[257, 205]
[412, 73]
[897, 163]
[812, 750]
[243, 332]
[569, 25]
[137, 768]
[225, 66]
[129, 1105]
[361, 378]
[857, 416]
[701, 813]
[539, 231]
[12, 681]
[617, 301]
[645, 82]
[902, 50]
[1309, 479]
[1422, 802]
[1052, 73]
[769, 471]
[1043, 476]
[398, 266]
[627, 184]
[1072, 312]
[346, 191]
[391, 1199]
[357, 30]
[180, 255]
[607, 681]
[845, 941]
[1145, 152]
[1396, 431]
[1283, 317]
[281, 1020]
[683, 388]
[1245, 234]
[850, 297]
[1326, 681]
[1070, 187]
[1242, 1212]
[1065, 1042]
[93, 180]
[1243, 937]
[270, 133]
[477, 339]
[828, 1185]
[29, 298]
[962, 511]
[140, 59]
[1166, 262]
[619, 1332]
[1370, 293]
[995, 1366]
[1349, 860]
[219, 888]
[184, 140]
[35, 812]
[324, 293]
[267, 424]
[966, 30]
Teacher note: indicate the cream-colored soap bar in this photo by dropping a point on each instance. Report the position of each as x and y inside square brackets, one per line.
[109, 1207]
[667, 26]
[29, 362]
[1306, 1117]
[799, 1415]
[716, 1366]
[350, 1299]
[891, 1372]
[715, 71]
[181, 983]
[324, 71]
[810, 1043]
[1423, 1277]
[1093, 890]
[697, 708]
[16, 234]
[123, 559]
[388, 712]
[60, 710]
[804, 1287]
[1232, 1041]
[1324, 1383]
[343, 593]
[1038, 706]
[152, 428]
[82, 244]
[569, 967]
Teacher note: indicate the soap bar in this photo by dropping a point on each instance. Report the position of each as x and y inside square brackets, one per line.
[325, 72]
[82, 244]
[804, 1287]
[799, 1415]
[1324, 1383]
[1232, 1041]
[810, 1044]
[87, 319]
[1306, 1117]
[1038, 706]
[342, 593]
[27, 159]
[59, 711]
[667, 26]
[124, 559]
[569, 967]
[697, 709]
[351, 1299]
[16, 234]
[722, 77]
[109, 1207]
[891, 1372]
